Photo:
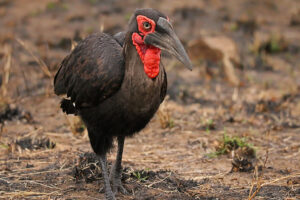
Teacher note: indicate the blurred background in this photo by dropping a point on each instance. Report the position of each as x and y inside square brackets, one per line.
[230, 129]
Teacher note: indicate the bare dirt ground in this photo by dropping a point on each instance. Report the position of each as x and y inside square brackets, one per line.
[210, 139]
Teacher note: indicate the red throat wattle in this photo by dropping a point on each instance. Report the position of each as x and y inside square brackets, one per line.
[149, 55]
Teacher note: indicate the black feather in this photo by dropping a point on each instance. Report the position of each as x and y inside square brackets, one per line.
[120, 37]
[68, 107]
[93, 72]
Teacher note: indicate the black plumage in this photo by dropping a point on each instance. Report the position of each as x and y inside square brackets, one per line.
[108, 88]
[93, 72]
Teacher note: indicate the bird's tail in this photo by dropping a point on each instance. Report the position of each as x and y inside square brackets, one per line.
[68, 107]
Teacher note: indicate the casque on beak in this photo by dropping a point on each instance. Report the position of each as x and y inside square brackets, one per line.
[165, 38]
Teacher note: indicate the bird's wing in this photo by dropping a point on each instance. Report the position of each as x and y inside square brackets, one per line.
[164, 87]
[93, 72]
[120, 37]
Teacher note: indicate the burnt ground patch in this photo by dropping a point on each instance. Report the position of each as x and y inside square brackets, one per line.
[142, 184]
[88, 168]
[9, 112]
[35, 143]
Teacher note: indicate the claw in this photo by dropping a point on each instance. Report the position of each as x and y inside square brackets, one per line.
[117, 185]
[102, 189]
[123, 190]
[119, 188]
[108, 196]
[115, 179]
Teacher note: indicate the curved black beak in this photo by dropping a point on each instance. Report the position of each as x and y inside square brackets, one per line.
[165, 38]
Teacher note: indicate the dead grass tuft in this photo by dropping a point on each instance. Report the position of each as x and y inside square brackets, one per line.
[6, 71]
[41, 63]
[164, 116]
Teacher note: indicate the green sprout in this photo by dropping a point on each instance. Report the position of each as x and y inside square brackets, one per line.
[229, 144]
[140, 176]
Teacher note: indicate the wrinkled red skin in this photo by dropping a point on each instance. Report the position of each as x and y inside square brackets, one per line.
[149, 54]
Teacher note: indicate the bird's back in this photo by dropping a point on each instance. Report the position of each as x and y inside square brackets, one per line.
[93, 71]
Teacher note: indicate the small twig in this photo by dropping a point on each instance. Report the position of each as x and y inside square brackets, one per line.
[230, 71]
[25, 81]
[22, 193]
[159, 180]
[62, 166]
[33, 132]
[266, 159]
[280, 179]
[58, 134]
[251, 189]
[5, 180]
[34, 182]
[259, 181]
[210, 176]
[41, 63]
[165, 191]
[34, 173]
[259, 186]
[256, 191]
[84, 197]
[7, 67]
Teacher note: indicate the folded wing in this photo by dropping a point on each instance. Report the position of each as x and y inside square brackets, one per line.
[93, 71]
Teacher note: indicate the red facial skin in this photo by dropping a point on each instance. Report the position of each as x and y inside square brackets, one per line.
[149, 54]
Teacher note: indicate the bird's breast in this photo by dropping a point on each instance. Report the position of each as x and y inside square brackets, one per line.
[140, 93]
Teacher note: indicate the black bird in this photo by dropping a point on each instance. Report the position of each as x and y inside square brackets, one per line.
[116, 84]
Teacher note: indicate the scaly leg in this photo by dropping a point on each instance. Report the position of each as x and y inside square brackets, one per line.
[116, 171]
[108, 192]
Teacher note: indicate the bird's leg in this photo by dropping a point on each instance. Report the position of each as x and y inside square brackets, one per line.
[108, 192]
[116, 171]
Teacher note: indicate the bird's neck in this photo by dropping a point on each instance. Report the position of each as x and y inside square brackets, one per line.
[149, 55]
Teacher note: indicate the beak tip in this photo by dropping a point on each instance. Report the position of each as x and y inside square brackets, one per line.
[189, 66]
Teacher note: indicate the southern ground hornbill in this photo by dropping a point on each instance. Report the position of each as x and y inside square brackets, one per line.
[116, 84]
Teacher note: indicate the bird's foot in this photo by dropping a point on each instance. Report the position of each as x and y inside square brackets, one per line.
[102, 189]
[109, 195]
[117, 186]
[115, 179]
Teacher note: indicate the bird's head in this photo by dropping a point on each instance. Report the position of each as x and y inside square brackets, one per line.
[151, 32]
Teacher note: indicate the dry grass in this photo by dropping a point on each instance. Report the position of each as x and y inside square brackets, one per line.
[164, 115]
[41, 63]
[6, 70]
[257, 179]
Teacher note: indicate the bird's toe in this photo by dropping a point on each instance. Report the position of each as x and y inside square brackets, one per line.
[110, 197]
[120, 188]
[102, 189]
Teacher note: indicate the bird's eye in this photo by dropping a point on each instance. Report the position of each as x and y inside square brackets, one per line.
[147, 25]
